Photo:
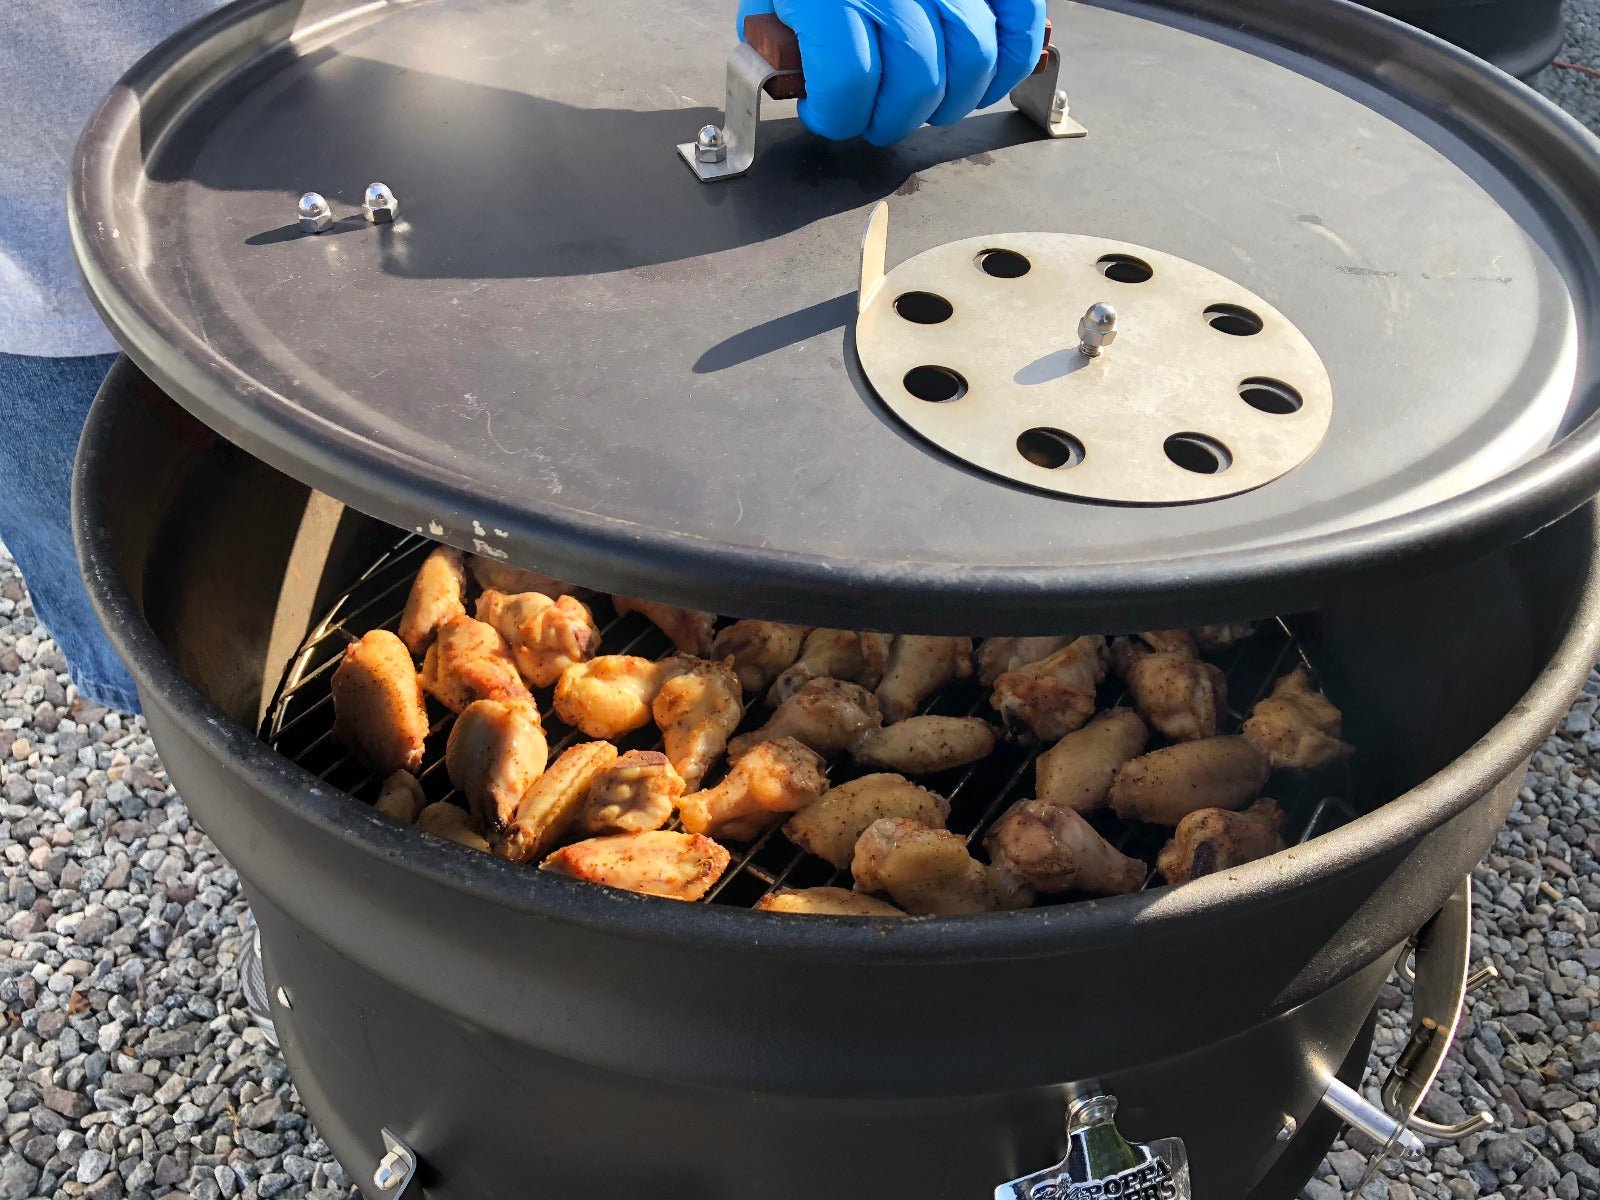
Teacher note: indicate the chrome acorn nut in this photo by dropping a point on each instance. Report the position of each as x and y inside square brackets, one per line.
[1097, 330]
[313, 213]
[710, 146]
[380, 204]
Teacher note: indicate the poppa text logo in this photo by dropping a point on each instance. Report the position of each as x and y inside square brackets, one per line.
[1148, 1181]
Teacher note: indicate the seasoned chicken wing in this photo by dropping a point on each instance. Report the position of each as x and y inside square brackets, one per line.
[826, 714]
[689, 630]
[1214, 839]
[838, 654]
[1297, 727]
[697, 709]
[496, 750]
[1077, 771]
[492, 574]
[452, 823]
[773, 779]
[378, 710]
[922, 745]
[674, 866]
[997, 655]
[1052, 848]
[546, 636]
[1164, 786]
[437, 594]
[469, 661]
[930, 871]
[635, 794]
[761, 650]
[609, 696]
[825, 902]
[1179, 693]
[550, 806]
[830, 826]
[1220, 637]
[1055, 695]
[919, 667]
[401, 798]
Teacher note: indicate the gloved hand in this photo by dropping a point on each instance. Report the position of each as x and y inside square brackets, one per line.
[880, 68]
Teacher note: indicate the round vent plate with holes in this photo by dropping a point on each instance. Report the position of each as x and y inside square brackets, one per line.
[1205, 390]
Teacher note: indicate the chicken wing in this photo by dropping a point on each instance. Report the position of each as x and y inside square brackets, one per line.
[997, 655]
[608, 696]
[690, 631]
[838, 654]
[825, 902]
[1055, 695]
[829, 827]
[1214, 839]
[635, 794]
[1179, 693]
[1077, 771]
[1297, 727]
[1164, 786]
[469, 661]
[437, 594]
[1220, 637]
[546, 636]
[919, 667]
[378, 710]
[452, 823]
[922, 745]
[674, 866]
[1052, 848]
[496, 750]
[697, 709]
[773, 779]
[549, 807]
[492, 574]
[927, 871]
[826, 714]
[401, 798]
[761, 650]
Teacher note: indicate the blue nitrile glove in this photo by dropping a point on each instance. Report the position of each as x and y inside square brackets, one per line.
[880, 68]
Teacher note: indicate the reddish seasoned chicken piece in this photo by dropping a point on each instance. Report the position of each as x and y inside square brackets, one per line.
[1180, 694]
[919, 667]
[1077, 771]
[1297, 727]
[825, 902]
[674, 866]
[452, 823]
[401, 798]
[829, 827]
[492, 574]
[773, 779]
[837, 654]
[997, 655]
[826, 714]
[550, 806]
[496, 750]
[1052, 848]
[469, 661]
[761, 650]
[378, 710]
[437, 594]
[922, 745]
[635, 794]
[1055, 695]
[930, 871]
[697, 709]
[609, 696]
[690, 631]
[1165, 786]
[546, 636]
[1214, 839]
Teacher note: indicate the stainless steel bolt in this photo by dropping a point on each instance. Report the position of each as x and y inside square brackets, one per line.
[313, 213]
[1097, 330]
[390, 1172]
[380, 204]
[709, 145]
[1288, 1129]
[1058, 101]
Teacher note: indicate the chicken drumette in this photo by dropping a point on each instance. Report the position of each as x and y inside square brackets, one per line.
[493, 575]
[378, 710]
[1055, 695]
[1077, 771]
[453, 823]
[675, 866]
[925, 744]
[1052, 848]
[997, 655]
[825, 902]
[1297, 727]
[437, 594]
[690, 631]
[826, 714]
[1179, 693]
[1215, 839]
[496, 750]
[609, 696]
[635, 794]
[761, 650]
[401, 797]
[927, 871]
[772, 780]
[835, 653]
[918, 667]
[546, 636]
[550, 806]
[1164, 786]
[697, 709]
[829, 827]
[469, 661]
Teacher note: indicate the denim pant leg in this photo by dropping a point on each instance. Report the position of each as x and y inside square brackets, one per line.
[43, 403]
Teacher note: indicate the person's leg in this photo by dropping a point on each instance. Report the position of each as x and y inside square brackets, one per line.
[43, 403]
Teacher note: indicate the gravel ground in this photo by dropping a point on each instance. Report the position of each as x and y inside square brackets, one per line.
[129, 1065]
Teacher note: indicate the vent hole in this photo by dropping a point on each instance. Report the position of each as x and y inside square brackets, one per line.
[935, 384]
[1124, 268]
[923, 308]
[1271, 396]
[1050, 448]
[1003, 264]
[1233, 320]
[1198, 453]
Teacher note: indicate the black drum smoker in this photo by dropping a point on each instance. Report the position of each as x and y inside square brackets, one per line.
[1237, 311]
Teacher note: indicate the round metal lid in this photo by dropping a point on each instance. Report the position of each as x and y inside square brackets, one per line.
[568, 351]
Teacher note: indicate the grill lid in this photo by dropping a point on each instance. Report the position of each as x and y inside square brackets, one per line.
[560, 347]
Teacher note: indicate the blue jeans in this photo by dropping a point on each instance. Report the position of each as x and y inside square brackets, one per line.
[43, 403]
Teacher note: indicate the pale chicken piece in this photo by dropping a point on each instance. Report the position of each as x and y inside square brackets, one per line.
[997, 655]
[830, 827]
[922, 745]
[496, 750]
[1053, 848]
[825, 902]
[378, 709]
[1164, 786]
[1168, 641]
[761, 650]
[690, 631]
[546, 636]
[468, 661]
[1220, 637]
[773, 779]
[635, 794]
[1297, 727]
[674, 866]
[826, 714]
[836, 654]
[452, 823]
[1077, 771]
[1055, 695]
[491, 574]
[697, 709]
[930, 871]
[437, 594]
[1177, 692]
[609, 696]
[550, 806]
[401, 797]
[918, 667]
[1214, 839]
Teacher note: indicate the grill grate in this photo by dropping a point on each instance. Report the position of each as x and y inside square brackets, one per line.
[299, 725]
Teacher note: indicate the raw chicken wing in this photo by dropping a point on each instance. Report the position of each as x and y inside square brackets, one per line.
[1055, 695]
[495, 752]
[437, 594]
[492, 574]
[1214, 839]
[1164, 786]
[608, 696]
[997, 655]
[826, 714]
[930, 871]
[1052, 848]
[635, 794]
[761, 650]
[919, 667]
[378, 710]
[697, 709]
[829, 827]
[773, 779]
[1179, 693]
[825, 902]
[401, 798]
[470, 661]
[1297, 726]
[689, 630]
[674, 866]
[922, 745]
[546, 636]
[837, 653]
[452, 823]
[1077, 771]
[552, 804]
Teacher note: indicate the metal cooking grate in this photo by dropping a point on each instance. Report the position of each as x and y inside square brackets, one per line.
[299, 725]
